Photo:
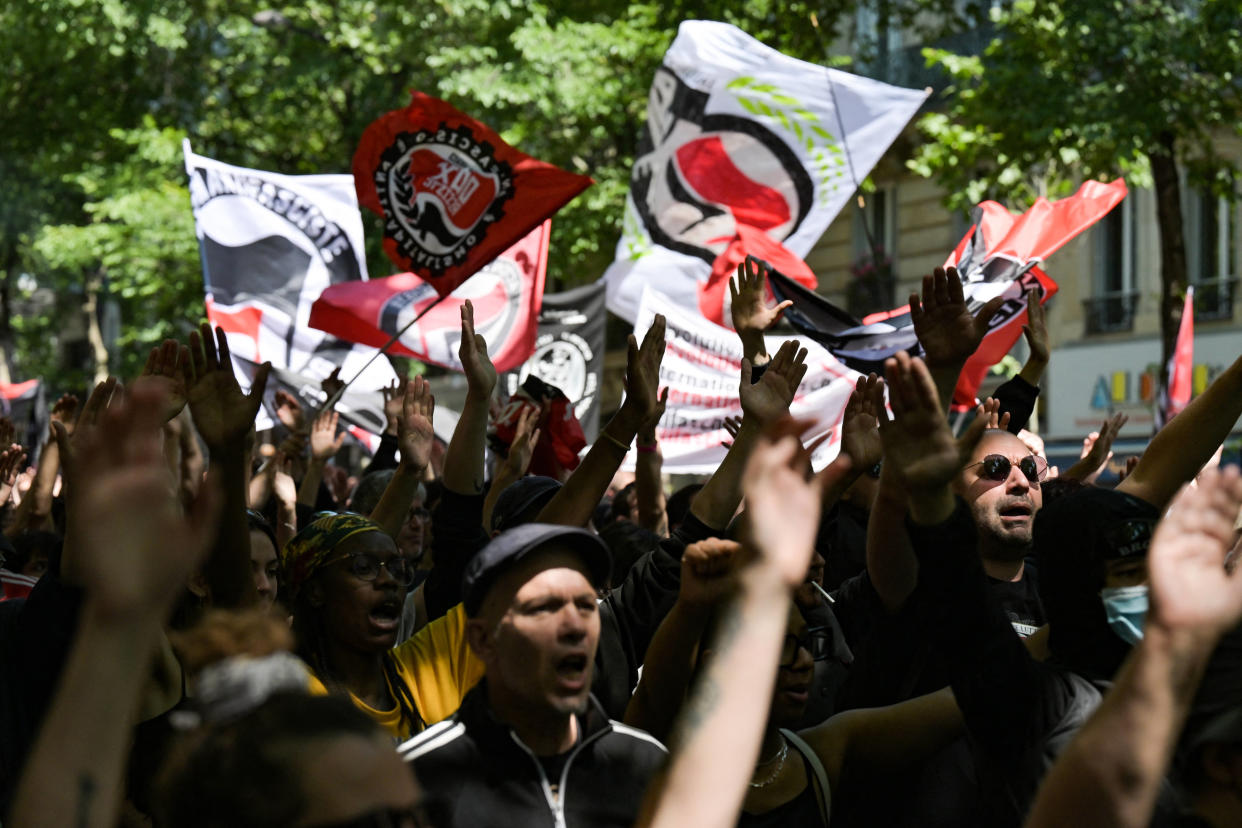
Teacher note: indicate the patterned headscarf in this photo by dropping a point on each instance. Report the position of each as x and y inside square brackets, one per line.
[314, 545]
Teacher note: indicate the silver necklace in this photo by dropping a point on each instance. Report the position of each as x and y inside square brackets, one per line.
[779, 759]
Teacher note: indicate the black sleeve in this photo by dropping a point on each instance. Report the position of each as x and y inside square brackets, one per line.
[386, 455]
[631, 613]
[999, 687]
[1017, 396]
[457, 535]
[856, 605]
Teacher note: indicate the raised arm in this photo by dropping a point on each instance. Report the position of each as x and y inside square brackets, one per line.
[521, 450]
[707, 575]
[324, 443]
[1180, 449]
[415, 437]
[749, 309]
[721, 727]
[946, 329]
[35, 510]
[1096, 450]
[763, 403]
[224, 417]
[1111, 773]
[643, 405]
[463, 460]
[135, 548]
[648, 479]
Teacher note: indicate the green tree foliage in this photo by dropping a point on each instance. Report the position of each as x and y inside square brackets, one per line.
[1070, 90]
[98, 93]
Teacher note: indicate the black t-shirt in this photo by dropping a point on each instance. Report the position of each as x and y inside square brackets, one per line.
[1020, 600]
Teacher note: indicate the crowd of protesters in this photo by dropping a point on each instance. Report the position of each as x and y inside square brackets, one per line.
[202, 628]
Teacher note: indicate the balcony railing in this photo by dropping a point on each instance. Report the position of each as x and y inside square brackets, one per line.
[1214, 300]
[1111, 312]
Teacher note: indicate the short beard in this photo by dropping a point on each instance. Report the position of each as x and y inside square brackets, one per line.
[1001, 548]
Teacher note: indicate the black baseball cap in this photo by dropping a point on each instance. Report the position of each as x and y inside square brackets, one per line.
[507, 548]
[522, 501]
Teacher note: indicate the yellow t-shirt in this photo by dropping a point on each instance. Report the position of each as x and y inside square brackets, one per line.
[438, 667]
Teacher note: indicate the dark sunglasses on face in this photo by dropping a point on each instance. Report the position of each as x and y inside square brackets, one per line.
[366, 567]
[813, 639]
[997, 467]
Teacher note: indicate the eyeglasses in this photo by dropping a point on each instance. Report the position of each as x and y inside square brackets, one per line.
[814, 640]
[366, 567]
[997, 467]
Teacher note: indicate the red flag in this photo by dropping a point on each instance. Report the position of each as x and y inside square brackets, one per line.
[452, 193]
[1182, 362]
[506, 294]
[1001, 243]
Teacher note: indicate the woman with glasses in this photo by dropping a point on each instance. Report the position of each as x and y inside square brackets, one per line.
[346, 581]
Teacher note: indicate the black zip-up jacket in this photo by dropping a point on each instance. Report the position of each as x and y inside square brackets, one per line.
[629, 615]
[478, 773]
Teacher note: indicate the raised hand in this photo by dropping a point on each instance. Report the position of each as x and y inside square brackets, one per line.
[222, 413]
[943, 322]
[749, 306]
[1190, 591]
[64, 411]
[1036, 328]
[768, 400]
[919, 446]
[289, 411]
[782, 506]
[324, 441]
[707, 570]
[332, 383]
[732, 425]
[68, 436]
[284, 488]
[133, 546]
[996, 419]
[643, 400]
[525, 438]
[11, 464]
[415, 436]
[860, 424]
[164, 371]
[393, 397]
[475, 363]
[1097, 447]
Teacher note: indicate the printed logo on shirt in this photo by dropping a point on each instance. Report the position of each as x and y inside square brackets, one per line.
[1023, 630]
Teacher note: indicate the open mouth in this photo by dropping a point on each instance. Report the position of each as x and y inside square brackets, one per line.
[572, 670]
[1017, 510]
[387, 614]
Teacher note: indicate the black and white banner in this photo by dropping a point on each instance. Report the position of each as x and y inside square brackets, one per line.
[270, 245]
[569, 351]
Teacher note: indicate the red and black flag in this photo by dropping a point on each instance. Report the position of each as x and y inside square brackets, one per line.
[506, 295]
[999, 256]
[452, 193]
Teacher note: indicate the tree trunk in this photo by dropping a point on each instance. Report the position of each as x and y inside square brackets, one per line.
[94, 283]
[1172, 249]
[7, 277]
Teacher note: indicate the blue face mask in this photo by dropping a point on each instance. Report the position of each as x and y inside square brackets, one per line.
[1126, 610]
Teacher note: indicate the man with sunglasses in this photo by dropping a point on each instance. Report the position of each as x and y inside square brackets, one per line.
[1001, 485]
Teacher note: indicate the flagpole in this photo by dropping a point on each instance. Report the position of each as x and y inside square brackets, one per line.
[335, 397]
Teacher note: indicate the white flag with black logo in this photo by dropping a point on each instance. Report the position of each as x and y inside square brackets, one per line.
[270, 245]
[745, 151]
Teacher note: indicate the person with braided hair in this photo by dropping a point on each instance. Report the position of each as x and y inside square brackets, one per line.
[345, 582]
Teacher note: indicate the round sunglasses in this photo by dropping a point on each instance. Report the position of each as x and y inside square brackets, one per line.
[998, 466]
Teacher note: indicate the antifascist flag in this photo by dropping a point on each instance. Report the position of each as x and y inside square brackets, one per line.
[506, 295]
[452, 193]
[569, 351]
[997, 257]
[270, 244]
[745, 151]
